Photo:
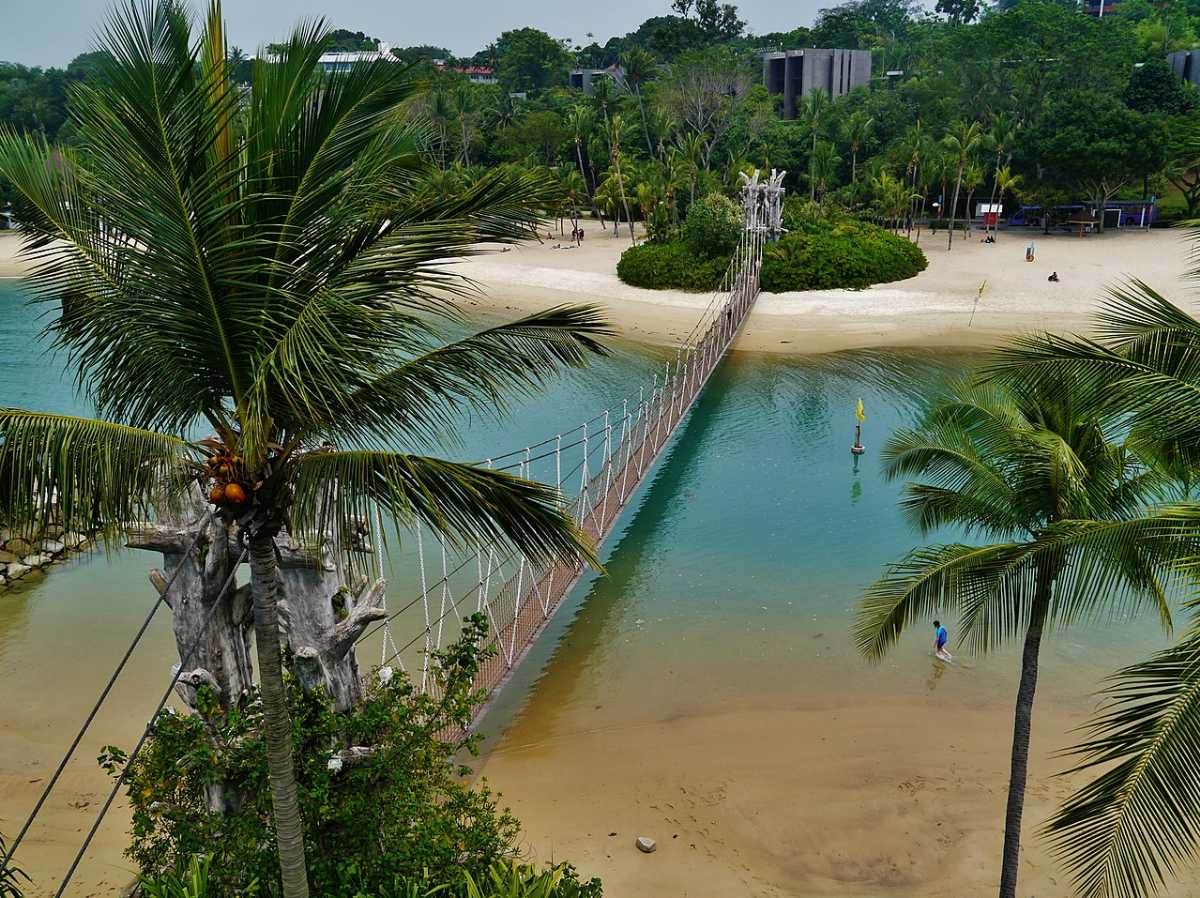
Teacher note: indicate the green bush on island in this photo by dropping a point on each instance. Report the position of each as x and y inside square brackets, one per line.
[846, 253]
[669, 266]
[822, 250]
[712, 227]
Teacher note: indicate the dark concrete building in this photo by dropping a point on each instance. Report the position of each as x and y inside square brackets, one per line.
[1186, 64]
[796, 73]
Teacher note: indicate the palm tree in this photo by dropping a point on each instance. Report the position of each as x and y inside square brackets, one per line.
[615, 129]
[1001, 137]
[1005, 181]
[812, 112]
[639, 67]
[1125, 834]
[961, 141]
[894, 197]
[579, 120]
[824, 167]
[463, 106]
[691, 145]
[1032, 470]
[971, 179]
[914, 148]
[858, 132]
[271, 280]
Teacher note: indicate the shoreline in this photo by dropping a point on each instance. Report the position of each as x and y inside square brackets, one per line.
[932, 310]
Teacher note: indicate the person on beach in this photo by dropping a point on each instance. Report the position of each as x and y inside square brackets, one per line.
[939, 641]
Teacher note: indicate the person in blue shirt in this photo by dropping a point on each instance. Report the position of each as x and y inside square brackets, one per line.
[939, 641]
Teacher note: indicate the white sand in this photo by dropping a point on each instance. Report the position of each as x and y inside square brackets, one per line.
[931, 309]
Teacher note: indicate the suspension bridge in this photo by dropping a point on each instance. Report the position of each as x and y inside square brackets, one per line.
[596, 468]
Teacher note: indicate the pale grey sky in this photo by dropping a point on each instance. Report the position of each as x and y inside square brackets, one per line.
[51, 32]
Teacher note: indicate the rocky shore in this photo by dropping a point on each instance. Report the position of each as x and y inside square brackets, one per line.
[23, 555]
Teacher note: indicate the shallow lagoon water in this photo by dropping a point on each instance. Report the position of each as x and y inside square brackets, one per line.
[729, 585]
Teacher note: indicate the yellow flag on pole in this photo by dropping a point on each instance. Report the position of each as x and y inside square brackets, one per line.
[859, 413]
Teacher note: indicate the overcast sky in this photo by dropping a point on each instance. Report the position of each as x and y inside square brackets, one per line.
[52, 32]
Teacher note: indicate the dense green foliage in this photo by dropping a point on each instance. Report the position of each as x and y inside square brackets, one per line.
[662, 266]
[712, 227]
[402, 812]
[691, 99]
[503, 879]
[11, 876]
[822, 250]
[843, 254]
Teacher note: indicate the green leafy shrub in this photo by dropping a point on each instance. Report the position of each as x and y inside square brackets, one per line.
[664, 266]
[503, 879]
[712, 227]
[848, 253]
[395, 813]
[11, 876]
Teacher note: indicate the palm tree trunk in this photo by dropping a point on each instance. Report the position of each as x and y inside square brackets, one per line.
[645, 127]
[853, 178]
[289, 828]
[466, 143]
[812, 184]
[590, 190]
[954, 206]
[1022, 721]
[996, 186]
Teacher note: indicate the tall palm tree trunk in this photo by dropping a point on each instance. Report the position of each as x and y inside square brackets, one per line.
[954, 207]
[853, 177]
[466, 140]
[645, 127]
[1022, 721]
[812, 161]
[289, 828]
[995, 187]
[587, 185]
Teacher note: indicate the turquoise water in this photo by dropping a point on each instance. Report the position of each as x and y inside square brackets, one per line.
[731, 580]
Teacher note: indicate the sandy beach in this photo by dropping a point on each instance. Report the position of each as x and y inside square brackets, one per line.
[931, 309]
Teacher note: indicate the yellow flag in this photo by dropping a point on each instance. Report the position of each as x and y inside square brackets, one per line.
[859, 413]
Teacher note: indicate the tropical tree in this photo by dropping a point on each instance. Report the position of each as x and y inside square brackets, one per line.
[1006, 181]
[463, 105]
[638, 68]
[691, 147]
[858, 131]
[824, 167]
[1033, 471]
[893, 197]
[270, 280]
[961, 141]
[813, 109]
[615, 130]
[1125, 834]
[1000, 138]
[579, 120]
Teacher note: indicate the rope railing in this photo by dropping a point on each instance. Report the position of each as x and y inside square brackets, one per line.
[605, 458]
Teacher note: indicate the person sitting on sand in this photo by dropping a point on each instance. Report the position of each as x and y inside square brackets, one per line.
[1053, 277]
[939, 642]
